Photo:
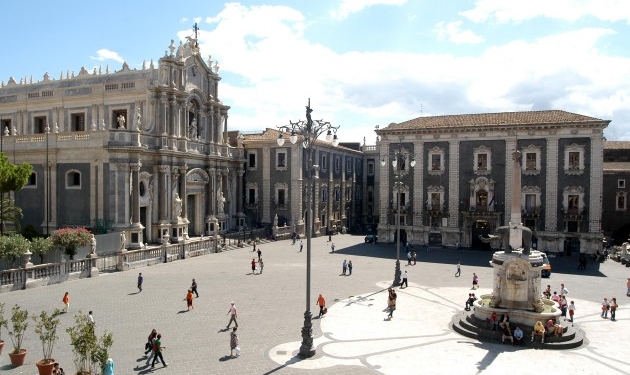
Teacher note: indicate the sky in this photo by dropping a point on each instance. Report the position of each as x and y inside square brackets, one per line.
[362, 63]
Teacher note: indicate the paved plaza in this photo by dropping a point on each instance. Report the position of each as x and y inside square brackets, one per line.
[353, 338]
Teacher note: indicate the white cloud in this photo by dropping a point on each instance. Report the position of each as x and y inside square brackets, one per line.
[270, 69]
[105, 54]
[452, 31]
[503, 11]
[348, 7]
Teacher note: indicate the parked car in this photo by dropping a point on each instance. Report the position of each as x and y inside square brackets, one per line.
[371, 238]
[546, 270]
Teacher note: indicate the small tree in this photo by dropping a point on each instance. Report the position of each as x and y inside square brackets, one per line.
[19, 323]
[3, 320]
[13, 247]
[46, 327]
[71, 239]
[90, 351]
[41, 246]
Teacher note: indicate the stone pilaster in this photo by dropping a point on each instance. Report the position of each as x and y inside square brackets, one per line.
[510, 147]
[453, 178]
[596, 183]
[418, 184]
[551, 196]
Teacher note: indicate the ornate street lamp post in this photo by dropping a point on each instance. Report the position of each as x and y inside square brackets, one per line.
[399, 156]
[307, 132]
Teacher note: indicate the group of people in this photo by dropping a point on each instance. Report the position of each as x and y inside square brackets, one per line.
[411, 257]
[154, 346]
[346, 267]
[609, 306]
[255, 265]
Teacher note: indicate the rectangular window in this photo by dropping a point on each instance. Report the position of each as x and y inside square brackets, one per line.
[574, 160]
[32, 180]
[77, 121]
[252, 160]
[324, 162]
[281, 159]
[482, 162]
[435, 202]
[436, 162]
[530, 203]
[370, 197]
[349, 165]
[621, 184]
[337, 194]
[573, 203]
[621, 202]
[370, 167]
[400, 163]
[252, 196]
[324, 195]
[337, 163]
[281, 197]
[530, 161]
[40, 124]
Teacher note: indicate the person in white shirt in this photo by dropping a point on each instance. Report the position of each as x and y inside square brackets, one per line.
[518, 335]
[563, 290]
[90, 318]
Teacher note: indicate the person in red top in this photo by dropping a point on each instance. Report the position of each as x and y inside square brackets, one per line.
[66, 302]
[322, 304]
[189, 299]
[253, 265]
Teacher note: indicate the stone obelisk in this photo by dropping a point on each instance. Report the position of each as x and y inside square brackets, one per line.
[516, 233]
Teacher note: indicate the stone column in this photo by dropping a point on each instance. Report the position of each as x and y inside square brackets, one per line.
[418, 185]
[135, 194]
[210, 188]
[239, 191]
[383, 190]
[510, 147]
[121, 216]
[453, 184]
[183, 192]
[162, 192]
[596, 184]
[551, 196]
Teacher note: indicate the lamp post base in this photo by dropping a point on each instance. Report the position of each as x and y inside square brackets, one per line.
[306, 349]
[397, 274]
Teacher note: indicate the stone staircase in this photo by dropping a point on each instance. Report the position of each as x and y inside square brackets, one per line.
[466, 324]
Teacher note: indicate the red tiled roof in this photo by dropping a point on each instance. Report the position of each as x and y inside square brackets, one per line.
[495, 119]
[616, 145]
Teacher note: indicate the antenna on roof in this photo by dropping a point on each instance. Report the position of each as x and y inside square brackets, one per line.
[421, 109]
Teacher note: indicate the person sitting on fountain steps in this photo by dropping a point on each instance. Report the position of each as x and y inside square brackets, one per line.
[507, 334]
[539, 330]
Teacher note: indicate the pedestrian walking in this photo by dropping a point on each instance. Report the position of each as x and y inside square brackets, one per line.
[148, 347]
[189, 300]
[259, 254]
[233, 315]
[571, 311]
[261, 264]
[349, 267]
[409, 258]
[613, 309]
[563, 307]
[193, 287]
[66, 302]
[302, 245]
[563, 291]
[321, 302]
[605, 308]
[140, 280]
[254, 247]
[475, 281]
[157, 347]
[458, 273]
[391, 305]
[344, 267]
[332, 247]
[404, 280]
[109, 367]
[414, 257]
[253, 266]
[234, 343]
[90, 318]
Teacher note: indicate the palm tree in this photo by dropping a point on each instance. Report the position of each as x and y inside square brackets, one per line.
[10, 213]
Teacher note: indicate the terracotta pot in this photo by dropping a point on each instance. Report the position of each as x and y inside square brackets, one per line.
[45, 368]
[17, 359]
[1, 345]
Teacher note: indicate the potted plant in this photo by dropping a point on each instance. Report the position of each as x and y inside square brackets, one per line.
[3, 323]
[71, 239]
[46, 327]
[19, 323]
[90, 352]
[41, 246]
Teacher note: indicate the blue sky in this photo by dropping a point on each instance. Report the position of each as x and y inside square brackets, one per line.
[362, 62]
